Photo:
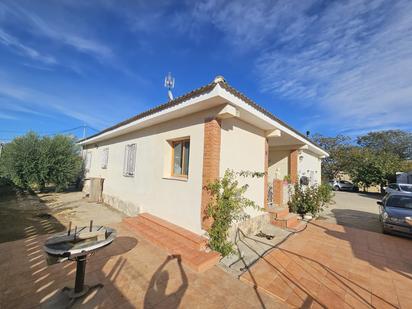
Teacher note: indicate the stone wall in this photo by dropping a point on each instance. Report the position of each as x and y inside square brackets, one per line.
[128, 208]
[250, 226]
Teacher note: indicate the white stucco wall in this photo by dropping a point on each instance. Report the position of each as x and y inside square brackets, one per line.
[243, 149]
[278, 163]
[309, 165]
[152, 189]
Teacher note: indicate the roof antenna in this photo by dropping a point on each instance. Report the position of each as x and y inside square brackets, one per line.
[169, 84]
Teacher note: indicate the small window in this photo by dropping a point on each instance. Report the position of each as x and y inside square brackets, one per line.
[129, 160]
[180, 158]
[105, 157]
[88, 161]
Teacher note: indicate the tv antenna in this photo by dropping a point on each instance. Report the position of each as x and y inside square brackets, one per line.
[169, 84]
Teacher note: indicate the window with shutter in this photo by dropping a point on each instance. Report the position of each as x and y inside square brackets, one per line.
[88, 163]
[129, 160]
[105, 157]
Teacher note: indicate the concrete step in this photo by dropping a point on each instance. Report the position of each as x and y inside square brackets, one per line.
[278, 212]
[288, 221]
[299, 227]
[195, 259]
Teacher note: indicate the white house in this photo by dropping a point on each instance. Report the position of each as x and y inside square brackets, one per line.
[159, 161]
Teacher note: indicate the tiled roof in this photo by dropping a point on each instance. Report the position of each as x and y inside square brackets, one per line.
[194, 93]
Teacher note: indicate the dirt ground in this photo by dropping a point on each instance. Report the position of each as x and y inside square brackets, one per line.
[352, 209]
[48, 212]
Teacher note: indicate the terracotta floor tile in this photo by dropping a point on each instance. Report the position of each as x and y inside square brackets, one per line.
[380, 303]
[352, 301]
[405, 301]
[329, 299]
[281, 288]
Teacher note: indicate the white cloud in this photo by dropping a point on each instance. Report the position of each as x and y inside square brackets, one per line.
[11, 41]
[62, 29]
[7, 116]
[351, 59]
[32, 101]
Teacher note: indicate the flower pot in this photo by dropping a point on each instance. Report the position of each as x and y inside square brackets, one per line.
[307, 217]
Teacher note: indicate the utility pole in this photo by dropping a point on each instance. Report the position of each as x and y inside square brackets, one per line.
[84, 131]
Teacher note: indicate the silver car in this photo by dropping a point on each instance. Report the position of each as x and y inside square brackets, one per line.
[338, 185]
[399, 187]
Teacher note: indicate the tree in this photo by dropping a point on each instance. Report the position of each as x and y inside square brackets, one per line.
[397, 142]
[338, 148]
[368, 167]
[33, 162]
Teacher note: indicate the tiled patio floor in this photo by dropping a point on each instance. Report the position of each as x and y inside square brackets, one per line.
[135, 274]
[334, 266]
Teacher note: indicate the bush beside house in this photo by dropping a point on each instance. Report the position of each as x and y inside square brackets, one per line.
[310, 199]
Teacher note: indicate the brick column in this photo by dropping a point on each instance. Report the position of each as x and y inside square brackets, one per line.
[211, 164]
[293, 166]
[277, 198]
[265, 179]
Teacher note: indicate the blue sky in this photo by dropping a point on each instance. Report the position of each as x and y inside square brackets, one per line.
[325, 66]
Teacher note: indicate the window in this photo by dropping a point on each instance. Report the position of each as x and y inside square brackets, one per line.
[180, 158]
[129, 160]
[399, 201]
[407, 188]
[88, 161]
[105, 157]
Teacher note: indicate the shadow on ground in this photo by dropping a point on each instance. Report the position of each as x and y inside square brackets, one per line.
[358, 219]
[372, 195]
[334, 266]
[20, 210]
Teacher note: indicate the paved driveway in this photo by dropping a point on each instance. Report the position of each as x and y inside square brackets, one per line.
[333, 266]
[352, 209]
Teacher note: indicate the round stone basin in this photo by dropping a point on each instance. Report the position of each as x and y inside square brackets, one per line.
[80, 241]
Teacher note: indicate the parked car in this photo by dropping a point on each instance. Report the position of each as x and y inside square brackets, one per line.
[338, 185]
[399, 187]
[395, 213]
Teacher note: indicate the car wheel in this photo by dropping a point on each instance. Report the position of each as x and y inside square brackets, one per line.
[336, 188]
[384, 231]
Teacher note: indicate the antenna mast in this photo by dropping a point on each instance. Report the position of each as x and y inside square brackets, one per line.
[169, 84]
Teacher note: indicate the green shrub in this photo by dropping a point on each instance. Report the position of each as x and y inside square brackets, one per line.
[310, 199]
[33, 162]
[227, 206]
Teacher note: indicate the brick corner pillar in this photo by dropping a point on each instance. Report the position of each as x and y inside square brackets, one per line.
[211, 164]
[265, 179]
[277, 198]
[293, 166]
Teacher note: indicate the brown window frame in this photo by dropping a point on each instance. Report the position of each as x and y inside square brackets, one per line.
[183, 142]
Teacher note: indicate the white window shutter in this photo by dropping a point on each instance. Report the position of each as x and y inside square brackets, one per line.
[129, 160]
[133, 159]
[125, 160]
[105, 157]
[88, 161]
